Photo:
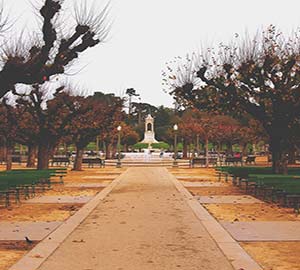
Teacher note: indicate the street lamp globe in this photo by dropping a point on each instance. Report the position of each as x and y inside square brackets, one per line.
[118, 165]
[175, 127]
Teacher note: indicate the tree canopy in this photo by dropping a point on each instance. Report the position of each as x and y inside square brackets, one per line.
[259, 76]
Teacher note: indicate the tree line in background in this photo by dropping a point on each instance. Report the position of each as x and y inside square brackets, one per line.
[42, 123]
[256, 77]
[197, 129]
[43, 119]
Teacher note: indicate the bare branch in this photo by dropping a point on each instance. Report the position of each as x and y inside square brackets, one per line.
[5, 23]
[97, 23]
[30, 62]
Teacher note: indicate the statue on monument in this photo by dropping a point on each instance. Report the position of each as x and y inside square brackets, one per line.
[149, 135]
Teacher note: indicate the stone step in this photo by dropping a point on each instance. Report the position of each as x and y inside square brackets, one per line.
[140, 163]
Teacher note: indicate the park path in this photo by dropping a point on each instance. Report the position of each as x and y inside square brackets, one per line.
[144, 223]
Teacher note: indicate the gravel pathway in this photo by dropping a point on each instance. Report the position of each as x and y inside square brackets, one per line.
[144, 223]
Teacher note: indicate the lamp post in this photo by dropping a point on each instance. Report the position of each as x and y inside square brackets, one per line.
[119, 128]
[175, 128]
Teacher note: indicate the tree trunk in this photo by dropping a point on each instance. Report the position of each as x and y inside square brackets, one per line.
[9, 151]
[65, 149]
[78, 159]
[125, 148]
[108, 151]
[206, 152]
[229, 148]
[32, 149]
[44, 152]
[279, 158]
[3, 150]
[114, 151]
[185, 150]
[243, 147]
[292, 154]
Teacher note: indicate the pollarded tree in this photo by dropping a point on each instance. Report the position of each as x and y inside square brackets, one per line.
[8, 130]
[260, 77]
[106, 135]
[129, 136]
[196, 125]
[37, 62]
[93, 118]
[251, 132]
[17, 126]
[27, 134]
[189, 129]
[226, 131]
[51, 117]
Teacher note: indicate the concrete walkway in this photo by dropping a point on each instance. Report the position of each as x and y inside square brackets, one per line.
[144, 223]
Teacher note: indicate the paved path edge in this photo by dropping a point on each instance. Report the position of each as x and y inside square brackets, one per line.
[236, 255]
[43, 250]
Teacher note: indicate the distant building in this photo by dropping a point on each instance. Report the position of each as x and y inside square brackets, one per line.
[149, 135]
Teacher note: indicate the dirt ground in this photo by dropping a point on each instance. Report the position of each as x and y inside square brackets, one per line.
[198, 171]
[78, 177]
[11, 251]
[72, 191]
[207, 191]
[9, 257]
[39, 212]
[275, 255]
[251, 212]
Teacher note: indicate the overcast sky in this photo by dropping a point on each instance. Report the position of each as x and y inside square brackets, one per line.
[148, 33]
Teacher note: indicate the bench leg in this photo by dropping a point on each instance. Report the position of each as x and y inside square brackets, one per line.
[297, 206]
[17, 199]
[7, 202]
[33, 190]
[26, 193]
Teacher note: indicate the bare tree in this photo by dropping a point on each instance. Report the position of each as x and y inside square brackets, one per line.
[33, 61]
[259, 76]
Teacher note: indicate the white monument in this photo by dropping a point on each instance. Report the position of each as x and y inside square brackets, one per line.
[149, 135]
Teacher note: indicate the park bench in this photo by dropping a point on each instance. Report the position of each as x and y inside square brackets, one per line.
[24, 184]
[293, 200]
[250, 160]
[57, 172]
[233, 161]
[202, 161]
[4, 198]
[19, 158]
[213, 161]
[284, 189]
[60, 160]
[222, 172]
[197, 161]
[94, 161]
